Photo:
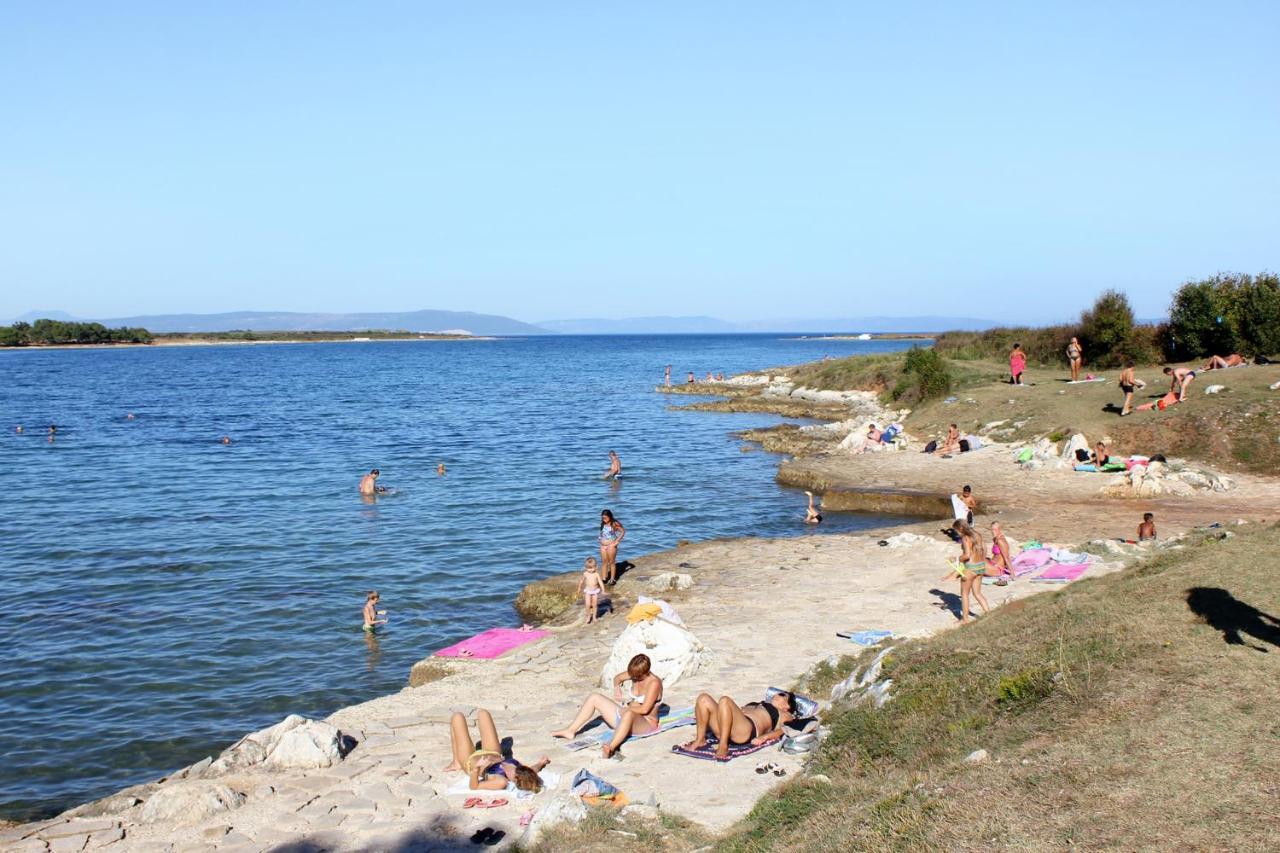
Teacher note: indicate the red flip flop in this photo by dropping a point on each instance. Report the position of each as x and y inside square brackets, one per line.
[472, 802]
[491, 805]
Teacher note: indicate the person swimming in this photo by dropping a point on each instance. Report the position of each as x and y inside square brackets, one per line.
[440, 470]
[811, 515]
[226, 439]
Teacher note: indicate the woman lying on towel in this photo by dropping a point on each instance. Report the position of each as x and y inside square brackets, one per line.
[488, 768]
[639, 713]
[755, 723]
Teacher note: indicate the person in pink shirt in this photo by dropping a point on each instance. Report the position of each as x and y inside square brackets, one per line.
[1017, 364]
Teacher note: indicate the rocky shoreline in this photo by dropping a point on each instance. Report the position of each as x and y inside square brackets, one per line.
[368, 776]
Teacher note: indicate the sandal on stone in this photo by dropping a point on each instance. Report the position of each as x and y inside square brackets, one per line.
[493, 804]
[472, 802]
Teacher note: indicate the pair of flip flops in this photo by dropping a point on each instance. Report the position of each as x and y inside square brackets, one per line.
[488, 836]
[770, 767]
[479, 803]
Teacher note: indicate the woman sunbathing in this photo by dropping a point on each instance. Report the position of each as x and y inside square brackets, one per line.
[487, 768]
[754, 723]
[639, 714]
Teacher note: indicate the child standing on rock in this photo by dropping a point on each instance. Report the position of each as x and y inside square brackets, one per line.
[590, 587]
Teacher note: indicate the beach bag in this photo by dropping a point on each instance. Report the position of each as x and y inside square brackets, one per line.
[799, 744]
[1082, 455]
[964, 445]
[1026, 455]
[930, 447]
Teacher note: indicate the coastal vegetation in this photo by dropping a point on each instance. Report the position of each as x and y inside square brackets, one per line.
[44, 333]
[1090, 706]
[57, 332]
[1222, 314]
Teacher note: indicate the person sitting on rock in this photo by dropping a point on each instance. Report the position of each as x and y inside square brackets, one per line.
[639, 713]
[487, 767]
[754, 723]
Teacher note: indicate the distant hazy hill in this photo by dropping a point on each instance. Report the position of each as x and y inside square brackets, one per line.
[712, 325]
[288, 321]
[641, 326]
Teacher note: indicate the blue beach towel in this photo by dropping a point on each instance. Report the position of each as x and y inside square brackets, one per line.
[865, 638]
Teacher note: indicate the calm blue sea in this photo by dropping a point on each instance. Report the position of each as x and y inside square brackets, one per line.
[166, 593]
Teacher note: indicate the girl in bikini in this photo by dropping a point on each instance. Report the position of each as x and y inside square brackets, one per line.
[611, 535]
[486, 767]
[971, 569]
[1075, 355]
[638, 714]
[754, 723]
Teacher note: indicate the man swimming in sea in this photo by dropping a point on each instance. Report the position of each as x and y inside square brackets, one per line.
[369, 483]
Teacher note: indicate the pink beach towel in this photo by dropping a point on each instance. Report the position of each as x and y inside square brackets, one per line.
[1029, 561]
[1063, 572]
[491, 643]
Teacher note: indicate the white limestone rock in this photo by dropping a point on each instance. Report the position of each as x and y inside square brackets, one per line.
[667, 581]
[310, 745]
[189, 803]
[674, 652]
[564, 808]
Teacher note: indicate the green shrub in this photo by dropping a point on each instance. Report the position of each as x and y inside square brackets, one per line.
[1026, 686]
[925, 376]
[1200, 321]
[1257, 313]
[1107, 330]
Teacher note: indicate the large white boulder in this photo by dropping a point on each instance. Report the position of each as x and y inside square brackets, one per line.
[563, 808]
[253, 748]
[189, 802]
[674, 652]
[309, 745]
[1077, 442]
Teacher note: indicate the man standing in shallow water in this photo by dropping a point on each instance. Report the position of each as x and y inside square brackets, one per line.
[368, 483]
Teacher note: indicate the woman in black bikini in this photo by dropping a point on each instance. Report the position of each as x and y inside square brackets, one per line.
[755, 722]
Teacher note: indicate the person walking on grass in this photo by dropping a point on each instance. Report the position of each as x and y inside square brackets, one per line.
[1127, 384]
[1075, 355]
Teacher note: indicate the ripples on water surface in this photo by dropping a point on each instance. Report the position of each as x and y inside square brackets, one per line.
[168, 593]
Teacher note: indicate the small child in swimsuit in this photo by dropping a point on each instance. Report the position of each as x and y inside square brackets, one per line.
[371, 613]
[1147, 529]
[590, 587]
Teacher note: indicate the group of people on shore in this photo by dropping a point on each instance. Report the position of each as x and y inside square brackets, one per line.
[1180, 377]
[690, 379]
[633, 709]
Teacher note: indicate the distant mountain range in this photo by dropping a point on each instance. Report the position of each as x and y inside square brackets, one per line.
[289, 321]
[712, 325]
[492, 324]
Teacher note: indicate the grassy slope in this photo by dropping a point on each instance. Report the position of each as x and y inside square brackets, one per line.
[1115, 718]
[1238, 428]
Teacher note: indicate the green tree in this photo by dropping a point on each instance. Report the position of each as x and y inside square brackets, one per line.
[1257, 315]
[1201, 319]
[1106, 329]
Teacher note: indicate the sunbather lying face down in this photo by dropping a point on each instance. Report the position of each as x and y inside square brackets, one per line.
[755, 722]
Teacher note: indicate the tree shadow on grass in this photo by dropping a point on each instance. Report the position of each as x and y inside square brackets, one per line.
[947, 601]
[1224, 612]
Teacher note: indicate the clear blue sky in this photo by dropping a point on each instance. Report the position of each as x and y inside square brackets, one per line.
[544, 160]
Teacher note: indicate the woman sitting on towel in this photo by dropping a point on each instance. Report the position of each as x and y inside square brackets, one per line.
[755, 723]
[638, 714]
[488, 768]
